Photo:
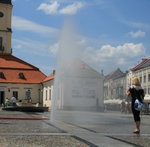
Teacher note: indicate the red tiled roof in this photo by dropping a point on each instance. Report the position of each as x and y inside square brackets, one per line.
[50, 77]
[9, 61]
[139, 65]
[79, 64]
[110, 74]
[11, 66]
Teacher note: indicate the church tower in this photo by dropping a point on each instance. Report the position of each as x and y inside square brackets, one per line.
[5, 27]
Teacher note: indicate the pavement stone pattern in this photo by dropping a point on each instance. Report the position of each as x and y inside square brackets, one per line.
[34, 133]
[42, 133]
[40, 141]
[27, 126]
[134, 141]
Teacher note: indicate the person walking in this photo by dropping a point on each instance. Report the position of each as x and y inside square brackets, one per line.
[136, 91]
[6, 102]
[123, 107]
[30, 101]
[128, 107]
[13, 99]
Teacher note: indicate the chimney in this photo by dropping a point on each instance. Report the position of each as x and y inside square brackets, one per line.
[53, 72]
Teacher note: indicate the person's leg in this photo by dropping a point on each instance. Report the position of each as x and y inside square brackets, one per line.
[137, 120]
[137, 125]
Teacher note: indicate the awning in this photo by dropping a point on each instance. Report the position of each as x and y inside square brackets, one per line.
[147, 98]
[112, 101]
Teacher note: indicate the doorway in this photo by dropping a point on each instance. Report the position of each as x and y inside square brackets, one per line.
[2, 99]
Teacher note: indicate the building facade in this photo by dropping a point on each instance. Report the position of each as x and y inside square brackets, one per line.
[17, 77]
[78, 88]
[142, 71]
[117, 83]
[114, 85]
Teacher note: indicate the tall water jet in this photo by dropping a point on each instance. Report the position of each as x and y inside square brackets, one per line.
[76, 85]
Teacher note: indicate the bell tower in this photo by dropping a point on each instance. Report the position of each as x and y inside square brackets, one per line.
[5, 26]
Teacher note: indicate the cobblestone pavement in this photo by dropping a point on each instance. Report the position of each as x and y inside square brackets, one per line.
[98, 129]
[41, 141]
[134, 141]
[15, 132]
[112, 125]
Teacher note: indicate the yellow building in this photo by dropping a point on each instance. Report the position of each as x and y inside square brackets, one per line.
[17, 78]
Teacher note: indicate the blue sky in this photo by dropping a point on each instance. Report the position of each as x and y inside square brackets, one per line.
[112, 33]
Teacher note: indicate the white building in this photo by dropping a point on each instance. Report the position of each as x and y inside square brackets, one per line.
[78, 88]
[142, 71]
[114, 85]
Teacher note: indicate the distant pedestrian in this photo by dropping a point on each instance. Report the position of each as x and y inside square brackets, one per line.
[128, 107]
[6, 102]
[135, 91]
[105, 108]
[30, 101]
[13, 99]
[123, 107]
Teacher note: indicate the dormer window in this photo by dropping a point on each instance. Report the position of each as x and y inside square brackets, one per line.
[2, 75]
[21, 76]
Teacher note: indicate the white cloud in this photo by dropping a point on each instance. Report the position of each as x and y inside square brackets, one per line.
[54, 48]
[137, 34]
[30, 46]
[110, 58]
[18, 46]
[137, 25]
[49, 9]
[72, 9]
[83, 42]
[22, 24]
[53, 8]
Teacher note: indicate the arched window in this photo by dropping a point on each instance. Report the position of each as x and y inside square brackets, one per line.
[21, 76]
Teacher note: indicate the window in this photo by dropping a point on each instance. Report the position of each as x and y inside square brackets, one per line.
[1, 44]
[2, 75]
[1, 41]
[148, 77]
[27, 94]
[145, 79]
[130, 82]
[140, 79]
[1, 14]
[148, 90]
[15, 94]
[50, 94]
[21, 76]
[46, 95]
